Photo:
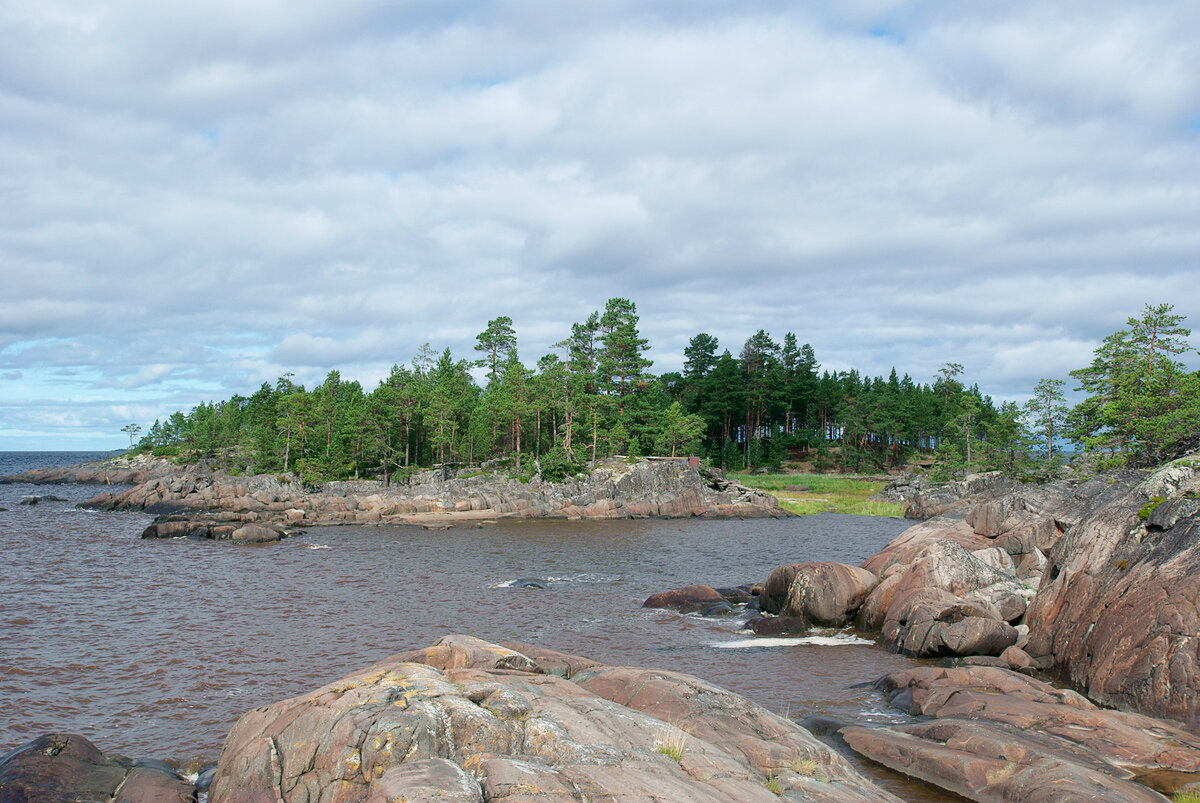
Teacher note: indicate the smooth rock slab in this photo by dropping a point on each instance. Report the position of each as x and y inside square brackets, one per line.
[490, 721]
[985, 764]
[999, 736]
[685, 600]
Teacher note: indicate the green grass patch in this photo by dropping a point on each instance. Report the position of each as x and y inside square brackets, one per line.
[1148, 508]
[827, 493]
[672, 744]
[1187, 796]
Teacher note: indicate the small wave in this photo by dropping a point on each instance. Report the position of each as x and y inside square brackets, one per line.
[315, 546]
[587, 577]
[840, 640]
[523, 582]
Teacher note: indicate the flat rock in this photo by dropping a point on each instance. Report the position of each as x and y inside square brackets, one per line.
[1055, 737]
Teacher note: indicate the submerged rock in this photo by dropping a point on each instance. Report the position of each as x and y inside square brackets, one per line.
[465, 720]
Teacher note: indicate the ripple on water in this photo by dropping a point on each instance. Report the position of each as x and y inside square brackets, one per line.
[156, 647]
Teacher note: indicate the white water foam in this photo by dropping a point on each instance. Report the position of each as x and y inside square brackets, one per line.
[316, 546]
[839, 640]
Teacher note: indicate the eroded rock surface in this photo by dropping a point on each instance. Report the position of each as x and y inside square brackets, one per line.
[465, 720]
[924, 499]
[1001, 736]
[1118, 610]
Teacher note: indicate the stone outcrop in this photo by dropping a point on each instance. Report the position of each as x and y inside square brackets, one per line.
[924, 499]
[1118, 609]
[465, 720]
[113, 471]
[613, 490]
[689, 599]
[68, 767]
[1000, 736]
[213, 529]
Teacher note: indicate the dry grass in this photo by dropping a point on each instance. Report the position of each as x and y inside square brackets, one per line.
[671, 743]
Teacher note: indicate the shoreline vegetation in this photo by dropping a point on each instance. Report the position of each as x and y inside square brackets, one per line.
[768, 407]
[808, 494]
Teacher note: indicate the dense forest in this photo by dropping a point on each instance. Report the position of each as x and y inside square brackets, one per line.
[595, 396]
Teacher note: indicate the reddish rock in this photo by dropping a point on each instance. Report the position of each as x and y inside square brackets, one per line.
[494, 725]
[1118, 608]
[685, 600]
[1000, 736]
[68, 767]
[827, 594]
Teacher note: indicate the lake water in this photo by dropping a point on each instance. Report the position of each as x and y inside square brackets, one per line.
[155, 648]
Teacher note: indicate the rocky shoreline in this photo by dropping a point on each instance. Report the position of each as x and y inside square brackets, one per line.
[1093, 583]
[202, 502]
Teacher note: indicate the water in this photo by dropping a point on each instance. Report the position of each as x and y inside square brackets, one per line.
[155, 648]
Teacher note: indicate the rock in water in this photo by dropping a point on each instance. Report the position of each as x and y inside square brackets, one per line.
[67, 767]
[685, 600]
[467, 721]
[828, 594]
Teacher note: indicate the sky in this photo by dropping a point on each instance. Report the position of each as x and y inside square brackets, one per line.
[196, 198]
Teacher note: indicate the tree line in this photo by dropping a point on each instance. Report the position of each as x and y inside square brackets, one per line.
[594, 396]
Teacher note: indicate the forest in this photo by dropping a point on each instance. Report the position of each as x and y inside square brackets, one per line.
[595, 396]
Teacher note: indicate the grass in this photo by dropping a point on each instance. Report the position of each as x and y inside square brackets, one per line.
[671, 743]
[828, 493]
[808, 767]
[1187, 796]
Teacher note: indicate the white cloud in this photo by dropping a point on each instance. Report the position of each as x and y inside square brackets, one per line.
[204, 197]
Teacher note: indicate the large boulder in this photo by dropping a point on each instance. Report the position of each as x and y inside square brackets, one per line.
[68, 767]
[827, 594]
[932, 622]
[494, 724]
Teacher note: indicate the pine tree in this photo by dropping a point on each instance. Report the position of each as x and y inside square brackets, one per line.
[1047, 412]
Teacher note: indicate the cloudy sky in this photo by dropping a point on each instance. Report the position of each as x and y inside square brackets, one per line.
[198, 197]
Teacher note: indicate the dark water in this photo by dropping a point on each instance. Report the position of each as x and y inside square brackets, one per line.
[154, 648]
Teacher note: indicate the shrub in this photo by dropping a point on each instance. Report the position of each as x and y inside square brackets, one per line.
[556, 465]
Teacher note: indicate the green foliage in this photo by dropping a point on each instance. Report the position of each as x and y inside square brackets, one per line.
[1143, 405]
[1148, 508]
[557, 465]
[1186, 796]
[826, 493]
[766, 407]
